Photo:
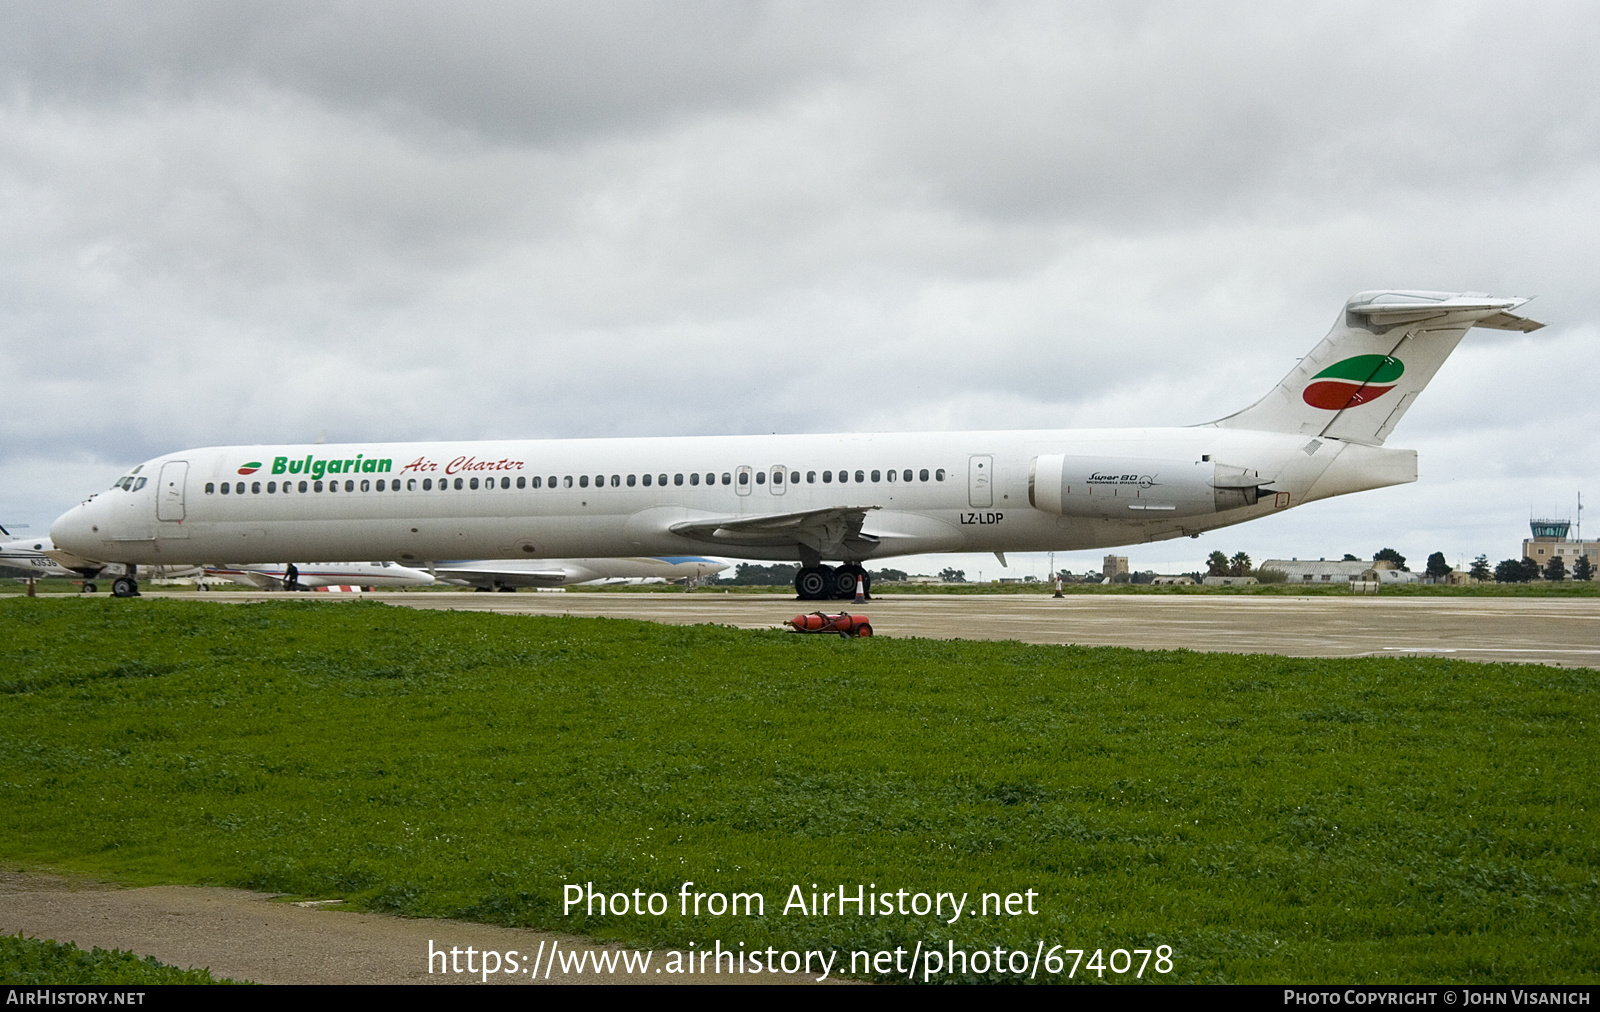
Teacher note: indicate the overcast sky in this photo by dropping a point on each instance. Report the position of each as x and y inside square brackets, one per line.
[241, 223]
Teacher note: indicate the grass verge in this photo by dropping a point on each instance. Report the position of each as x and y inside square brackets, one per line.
[1272, 819]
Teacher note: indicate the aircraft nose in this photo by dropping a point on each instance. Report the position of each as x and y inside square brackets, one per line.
[76, 531]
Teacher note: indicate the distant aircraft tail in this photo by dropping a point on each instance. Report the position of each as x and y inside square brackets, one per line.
[1383, 350]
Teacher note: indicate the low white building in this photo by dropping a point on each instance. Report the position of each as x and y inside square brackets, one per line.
[1331, 571]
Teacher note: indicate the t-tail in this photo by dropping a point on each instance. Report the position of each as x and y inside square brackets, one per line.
[1385, 347]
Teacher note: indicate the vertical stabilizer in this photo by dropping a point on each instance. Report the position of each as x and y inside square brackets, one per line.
[1385, 347]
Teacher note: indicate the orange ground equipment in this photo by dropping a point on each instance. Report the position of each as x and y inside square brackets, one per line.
[843, 623]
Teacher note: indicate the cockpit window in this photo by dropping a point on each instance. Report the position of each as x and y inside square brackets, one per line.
[139, 484]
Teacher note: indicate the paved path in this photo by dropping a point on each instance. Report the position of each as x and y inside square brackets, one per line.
[1560, 631]
[253, 936]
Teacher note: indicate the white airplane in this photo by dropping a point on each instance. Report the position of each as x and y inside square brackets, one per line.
[28, 556]
[33, 557]
[311, 575]
[509, 574]
[820, 499]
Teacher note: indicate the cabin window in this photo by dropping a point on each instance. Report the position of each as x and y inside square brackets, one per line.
[939, 474]
[827, 477]
[727, 479]
[777, 476]
[272, 487]
[923, 475]
[874, 476]
[316, 486]
[744, 479]
[677, 479]
[522, 482]
[844, 476]
[350, 486]
[599, 481]
[471, 483]
[567, 481]
[647, 480]
[211, 487]
[583, 481]
[761, 477]
[303, 486]
[661, 480]
[907, 475]
[811, 477]
[631, 479]
[891, 475]
[458, 484]
[366, 486]
[862, 476]
[226, 488]
[381, 486]
[694, 479]
[616, 480]
[255, 488]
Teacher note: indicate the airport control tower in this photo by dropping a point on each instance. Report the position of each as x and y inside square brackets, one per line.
[1550, 541]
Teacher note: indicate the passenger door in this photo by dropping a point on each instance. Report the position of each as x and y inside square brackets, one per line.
[169, 490]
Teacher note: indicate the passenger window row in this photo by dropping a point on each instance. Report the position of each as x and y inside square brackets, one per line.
[559, 481]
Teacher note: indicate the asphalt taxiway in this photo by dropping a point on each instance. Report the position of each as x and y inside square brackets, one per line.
[1559, 631]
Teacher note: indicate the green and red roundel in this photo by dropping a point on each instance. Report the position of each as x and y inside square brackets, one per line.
[1353, 381]
[250, 468]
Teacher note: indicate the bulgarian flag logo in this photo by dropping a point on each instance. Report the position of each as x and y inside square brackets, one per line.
[250, 468]
[1353, 381]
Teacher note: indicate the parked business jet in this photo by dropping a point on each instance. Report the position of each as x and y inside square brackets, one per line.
[509, 574]
[820, 499]
[33, 557]
[27, 556]
[311, 575]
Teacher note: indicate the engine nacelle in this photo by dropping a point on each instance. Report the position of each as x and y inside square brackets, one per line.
[1134, 487]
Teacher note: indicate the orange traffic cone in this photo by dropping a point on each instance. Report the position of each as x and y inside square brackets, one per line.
[861, 589]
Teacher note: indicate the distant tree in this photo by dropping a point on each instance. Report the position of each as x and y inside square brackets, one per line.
[1530, 569]
[953, 575]
[1480, 568]
[1350, 558]
[1272, 576]
[1583, 569]
[1509, 571]
[1216, 564]
[750, 575]
[1390, 555]
[1555, 570]
[1438, 569]
[1239, 565]
[889, 576]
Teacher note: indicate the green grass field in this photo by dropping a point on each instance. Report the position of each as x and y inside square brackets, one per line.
[1272, 819]
[35, 961]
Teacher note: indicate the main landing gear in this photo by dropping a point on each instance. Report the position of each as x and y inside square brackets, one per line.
[125, 586]
[825, 583]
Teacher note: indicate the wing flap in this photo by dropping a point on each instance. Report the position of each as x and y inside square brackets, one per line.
[825, 530]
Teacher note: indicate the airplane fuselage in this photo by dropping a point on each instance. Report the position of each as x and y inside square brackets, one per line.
[918, 492]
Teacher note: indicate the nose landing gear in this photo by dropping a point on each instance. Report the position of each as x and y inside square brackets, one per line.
[125, 586]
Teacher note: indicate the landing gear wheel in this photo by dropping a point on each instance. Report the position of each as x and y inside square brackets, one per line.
[844, 582]
[811, 583]
[124, 586]
[89, 588]
[502, 588]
